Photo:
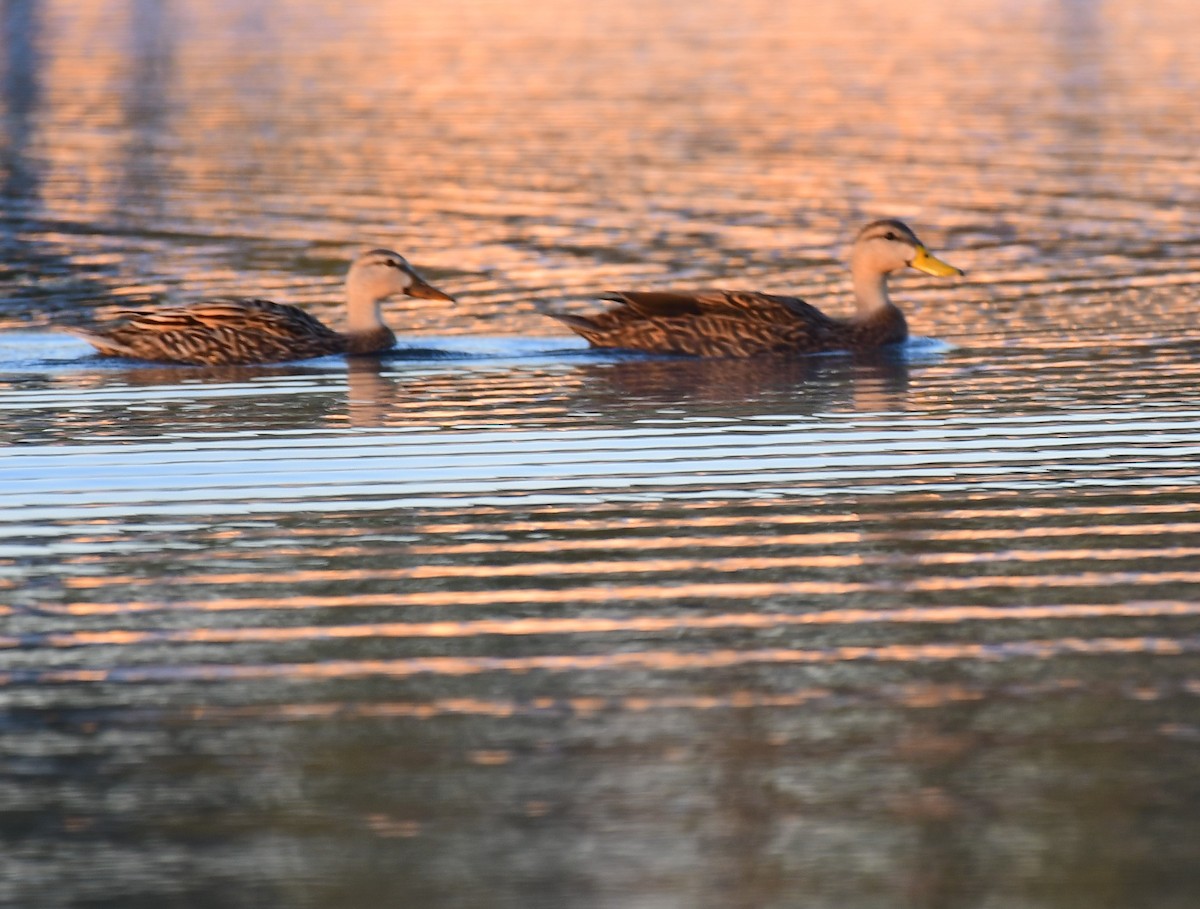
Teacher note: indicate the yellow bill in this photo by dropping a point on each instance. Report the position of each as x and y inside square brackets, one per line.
[932, 265]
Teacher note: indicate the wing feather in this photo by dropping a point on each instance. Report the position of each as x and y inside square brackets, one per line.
[708, 323]
[225, 331]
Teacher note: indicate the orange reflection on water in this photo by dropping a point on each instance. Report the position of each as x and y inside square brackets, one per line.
[1097, 579]
[476, 597]
[639, 624]
[628, 592]
[1118, 530]
[524, 569]
[876, 528]
[642, 566]
[1027, 511]
[639, 543]
[649, 660]
[644, 146]
[921, 695]
[568, 520]
[581, 706]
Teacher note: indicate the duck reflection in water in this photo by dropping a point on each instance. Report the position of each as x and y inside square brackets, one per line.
[771, 384]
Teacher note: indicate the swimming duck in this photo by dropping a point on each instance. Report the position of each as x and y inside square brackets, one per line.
[726, 323]
[233, 331]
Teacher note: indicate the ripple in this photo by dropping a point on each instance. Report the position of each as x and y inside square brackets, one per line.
[656, 661]
[585, 622]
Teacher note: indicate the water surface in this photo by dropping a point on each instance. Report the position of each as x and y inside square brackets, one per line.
[498, 621]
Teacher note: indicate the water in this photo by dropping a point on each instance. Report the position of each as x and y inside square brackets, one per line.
[499, 621]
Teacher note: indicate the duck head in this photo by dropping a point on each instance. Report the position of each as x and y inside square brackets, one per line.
[883, 247]
[889, 245]
[373, 277]
[381, 273]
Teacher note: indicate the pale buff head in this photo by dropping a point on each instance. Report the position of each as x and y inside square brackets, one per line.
[373, 277]
[885, 246]
[381, 273]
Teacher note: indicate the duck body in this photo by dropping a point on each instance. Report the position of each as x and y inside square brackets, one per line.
[730, 323]
[222, 332]
[238, 331]
[723, 323]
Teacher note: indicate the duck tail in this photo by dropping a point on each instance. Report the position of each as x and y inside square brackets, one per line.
[580, 324]
[104, 345]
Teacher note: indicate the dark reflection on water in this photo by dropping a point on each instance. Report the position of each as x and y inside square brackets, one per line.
[20, 90]
[497, 620]
[755, 387]
[141, 186]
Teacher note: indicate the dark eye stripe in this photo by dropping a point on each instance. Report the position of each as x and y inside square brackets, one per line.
[888, 235]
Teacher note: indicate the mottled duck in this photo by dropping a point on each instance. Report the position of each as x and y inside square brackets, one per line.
[730, 323]
[232, 331]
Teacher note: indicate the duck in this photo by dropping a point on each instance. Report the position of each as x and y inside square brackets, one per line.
[235, 331]
[730, 323]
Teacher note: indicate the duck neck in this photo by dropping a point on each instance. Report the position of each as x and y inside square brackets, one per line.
[363, 314]
[365, 330]
[870, 289]
[363, 303]
[369, 341]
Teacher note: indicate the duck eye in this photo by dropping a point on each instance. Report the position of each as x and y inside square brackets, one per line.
[891, 236]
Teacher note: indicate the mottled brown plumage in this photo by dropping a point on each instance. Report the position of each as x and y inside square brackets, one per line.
[237, 331]
[722, 323]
